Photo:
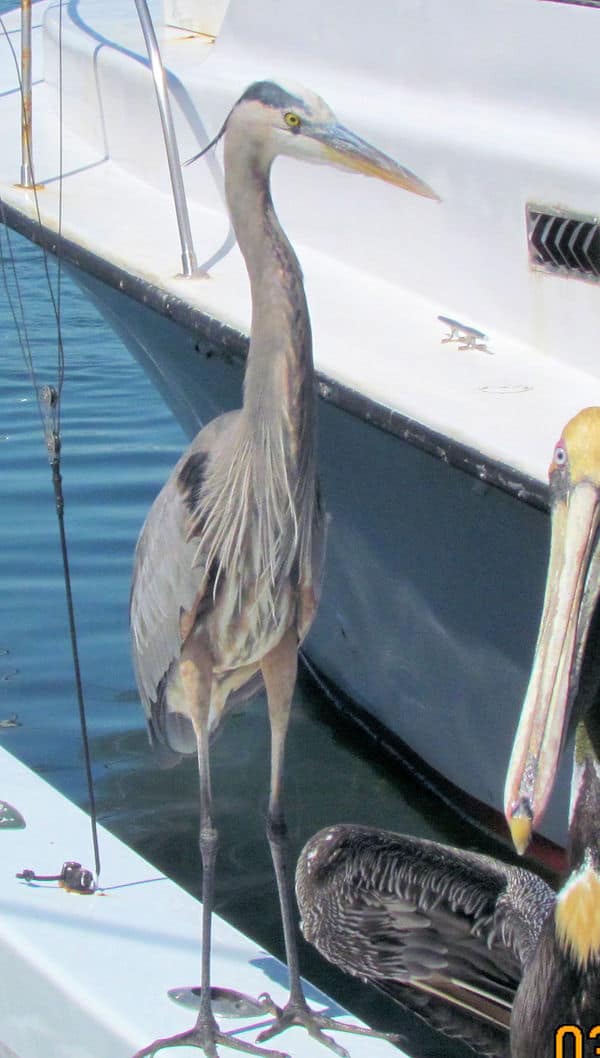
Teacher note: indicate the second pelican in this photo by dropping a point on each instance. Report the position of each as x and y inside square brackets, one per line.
[483, 951]
[558, 684]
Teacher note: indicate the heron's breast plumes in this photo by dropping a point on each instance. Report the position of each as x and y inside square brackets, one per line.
[254, 524]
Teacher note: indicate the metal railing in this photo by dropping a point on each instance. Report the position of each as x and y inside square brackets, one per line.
[188, 258]
[26, 170]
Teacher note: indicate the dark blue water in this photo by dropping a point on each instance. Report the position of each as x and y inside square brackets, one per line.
[119, 443]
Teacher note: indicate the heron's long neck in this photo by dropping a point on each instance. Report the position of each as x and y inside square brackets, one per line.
[279, 380]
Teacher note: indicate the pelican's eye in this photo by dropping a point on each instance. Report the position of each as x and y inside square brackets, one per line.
[292, 120]
[560, 456]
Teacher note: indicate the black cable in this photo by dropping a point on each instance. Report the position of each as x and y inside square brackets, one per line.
[48, 400]
[60, 507]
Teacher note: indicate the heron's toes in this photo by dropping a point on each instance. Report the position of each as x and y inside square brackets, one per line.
[295, 1013]
[180, 1040]
[207, 1039]
[299, 1013]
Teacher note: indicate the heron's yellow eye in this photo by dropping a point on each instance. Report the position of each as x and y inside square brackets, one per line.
[292, 120]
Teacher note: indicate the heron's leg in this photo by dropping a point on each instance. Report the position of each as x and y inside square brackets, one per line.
[198, 692]
[279, 670]
[196, 675]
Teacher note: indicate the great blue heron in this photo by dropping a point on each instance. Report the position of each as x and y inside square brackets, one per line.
[228, 565]
[564, 673]
[483, 951]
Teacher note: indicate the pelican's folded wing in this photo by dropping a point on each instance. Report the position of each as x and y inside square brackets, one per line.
[408, 914]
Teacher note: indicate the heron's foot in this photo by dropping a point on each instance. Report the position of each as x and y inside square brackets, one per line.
[207, 1037]
[298, 1012]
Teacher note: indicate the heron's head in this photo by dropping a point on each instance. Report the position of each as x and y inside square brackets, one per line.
[271, 119]
[572, 588]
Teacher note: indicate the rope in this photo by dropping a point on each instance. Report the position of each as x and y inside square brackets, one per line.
[48, 400]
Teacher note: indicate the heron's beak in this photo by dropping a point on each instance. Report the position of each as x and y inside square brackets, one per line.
[572, 588]
[343, 148]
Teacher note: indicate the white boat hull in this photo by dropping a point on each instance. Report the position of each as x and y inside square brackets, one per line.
[429, 611]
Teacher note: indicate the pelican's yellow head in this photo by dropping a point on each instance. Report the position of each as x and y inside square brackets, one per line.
[579, 448]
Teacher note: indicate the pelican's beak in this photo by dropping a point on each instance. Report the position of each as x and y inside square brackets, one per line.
[571, 592]
[347, 150]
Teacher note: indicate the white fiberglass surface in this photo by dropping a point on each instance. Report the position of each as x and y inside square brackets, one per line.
[79, 997]
[381, 266]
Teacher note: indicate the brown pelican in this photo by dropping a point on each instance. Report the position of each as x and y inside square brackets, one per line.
[228, 565]
[482, 950]
[572, 588]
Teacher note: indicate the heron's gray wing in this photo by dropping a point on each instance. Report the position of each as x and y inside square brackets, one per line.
[455, 927]
[165, 583]
[169, 584]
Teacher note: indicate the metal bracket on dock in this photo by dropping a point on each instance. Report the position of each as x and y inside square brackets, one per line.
[465, 336]
[73, 877]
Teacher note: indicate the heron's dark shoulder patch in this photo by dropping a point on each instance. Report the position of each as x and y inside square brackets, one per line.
[271, 95]
[191, 478]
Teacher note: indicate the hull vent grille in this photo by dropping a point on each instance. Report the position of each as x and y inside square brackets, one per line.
[564, 244]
